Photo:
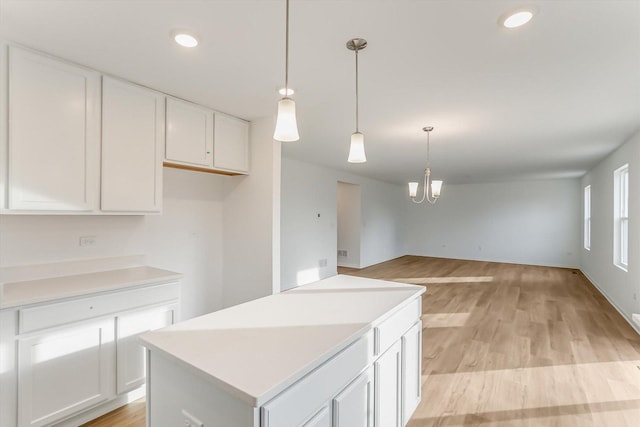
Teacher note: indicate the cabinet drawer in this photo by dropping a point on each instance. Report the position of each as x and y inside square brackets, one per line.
[50, 315]
[395, 326]
[307, 396]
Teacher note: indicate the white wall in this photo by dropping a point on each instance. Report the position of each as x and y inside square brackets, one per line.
[306, 238]
[622, 288]
[252, 222]
[529, 222]
[186, 238]
[349, 214]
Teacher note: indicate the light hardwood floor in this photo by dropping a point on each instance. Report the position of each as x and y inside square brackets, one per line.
[509, 345]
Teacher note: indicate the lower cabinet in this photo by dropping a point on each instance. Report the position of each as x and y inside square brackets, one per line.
[388, 380]
[64, 371]
[372, 382]
[321, 419]
[411, 371]
[68, 369]
[353, 407]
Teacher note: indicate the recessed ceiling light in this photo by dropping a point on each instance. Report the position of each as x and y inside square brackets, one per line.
[516, 19]
[288, 91]
[185, 39]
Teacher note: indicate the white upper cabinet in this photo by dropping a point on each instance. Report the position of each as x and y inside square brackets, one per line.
[133, 120]
[231, 144]
[189, 134]
[53, 137]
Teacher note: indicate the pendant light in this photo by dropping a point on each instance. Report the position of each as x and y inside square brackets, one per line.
[428, 186]
[286, 124]
[356, 150]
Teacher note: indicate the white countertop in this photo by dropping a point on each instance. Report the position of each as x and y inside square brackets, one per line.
[21, 293]
[257, 349]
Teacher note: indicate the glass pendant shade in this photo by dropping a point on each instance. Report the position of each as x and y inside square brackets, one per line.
[286, 124]
[413, 189]
[436, 186]
[356, 151]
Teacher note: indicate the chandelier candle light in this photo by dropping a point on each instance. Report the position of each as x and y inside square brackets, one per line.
[356, 150]
[435, 186]
[286, 124]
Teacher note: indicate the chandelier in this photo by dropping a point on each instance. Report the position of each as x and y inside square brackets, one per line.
[428, 186]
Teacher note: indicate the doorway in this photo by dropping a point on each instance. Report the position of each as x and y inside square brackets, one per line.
[349, 213]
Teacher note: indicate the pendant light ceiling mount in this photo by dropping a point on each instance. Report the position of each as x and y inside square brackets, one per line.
[356, 149]
[356, 44]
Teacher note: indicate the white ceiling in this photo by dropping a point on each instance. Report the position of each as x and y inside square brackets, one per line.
[543, 101]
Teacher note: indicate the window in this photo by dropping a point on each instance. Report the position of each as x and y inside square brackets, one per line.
[621, 217]
[587, 217]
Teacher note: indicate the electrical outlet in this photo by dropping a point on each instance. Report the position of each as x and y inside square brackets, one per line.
[190, 420]
[322, 262]
[87, 241]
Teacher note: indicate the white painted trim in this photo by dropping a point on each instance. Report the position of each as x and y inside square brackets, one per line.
[105, 408]
[636, 317]
[348, 265]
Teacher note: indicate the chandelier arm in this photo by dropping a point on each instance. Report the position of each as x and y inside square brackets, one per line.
[424, 191]
[428, 187]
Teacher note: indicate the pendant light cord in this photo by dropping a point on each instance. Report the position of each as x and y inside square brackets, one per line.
[357, 112]
[286, 55]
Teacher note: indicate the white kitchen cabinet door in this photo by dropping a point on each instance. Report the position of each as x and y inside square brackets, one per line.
[189, 134]
[322, 418]
[54, 134]
[231, 144]
[353, 407]
[130, 355]
[411, 370]
[388, 381]
[64, 371]
[133, 121]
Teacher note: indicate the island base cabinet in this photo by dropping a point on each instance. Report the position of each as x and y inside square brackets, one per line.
[173, 391]
[64, 371]
[353, 407]
[130, 355]
[321, 419]
[412, 371]
[388, 381]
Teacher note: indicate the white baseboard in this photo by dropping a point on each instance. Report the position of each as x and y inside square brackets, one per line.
[104, 408]
[635, 323]
[346, 264]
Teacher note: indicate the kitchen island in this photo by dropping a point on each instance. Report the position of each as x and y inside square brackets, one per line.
[344, 351]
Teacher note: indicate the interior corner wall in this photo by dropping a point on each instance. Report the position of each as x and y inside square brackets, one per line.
[620, 287]
[527, 222]
[251, 260]
[309, 221]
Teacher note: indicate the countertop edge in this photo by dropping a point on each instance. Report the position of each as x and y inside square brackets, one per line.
[169, 277]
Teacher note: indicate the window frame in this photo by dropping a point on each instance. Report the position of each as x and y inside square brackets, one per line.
[587, 218]
[621, 217]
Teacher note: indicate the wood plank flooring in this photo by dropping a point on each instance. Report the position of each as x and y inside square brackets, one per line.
[508, 345]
